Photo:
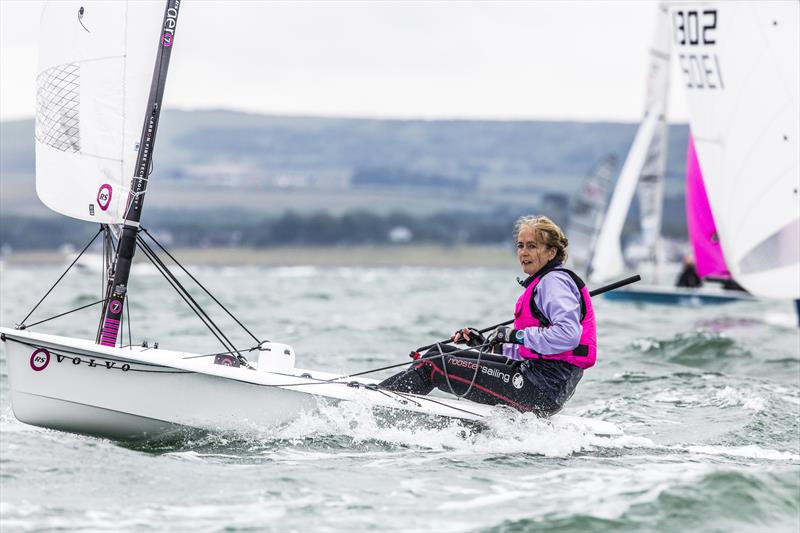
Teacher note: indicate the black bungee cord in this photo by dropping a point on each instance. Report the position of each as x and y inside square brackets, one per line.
[474, 374]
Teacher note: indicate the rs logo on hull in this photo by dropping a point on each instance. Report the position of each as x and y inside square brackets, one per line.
[40, 358]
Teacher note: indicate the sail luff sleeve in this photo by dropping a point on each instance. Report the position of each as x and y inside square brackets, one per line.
[127, 245]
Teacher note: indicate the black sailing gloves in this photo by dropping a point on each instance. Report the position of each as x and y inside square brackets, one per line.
[504, 334]
[471, 336]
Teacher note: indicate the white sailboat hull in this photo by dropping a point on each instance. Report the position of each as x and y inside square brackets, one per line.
[685, 296]
[134, 392]
[87, 391]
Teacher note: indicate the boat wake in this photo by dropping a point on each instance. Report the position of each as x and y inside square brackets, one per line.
[350, 430]
[358, 428]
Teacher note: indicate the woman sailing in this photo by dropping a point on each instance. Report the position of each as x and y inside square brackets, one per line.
[534, 366]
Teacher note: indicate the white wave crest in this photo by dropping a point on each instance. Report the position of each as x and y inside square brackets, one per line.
[751, 452]
[730, 397]
[507, 432]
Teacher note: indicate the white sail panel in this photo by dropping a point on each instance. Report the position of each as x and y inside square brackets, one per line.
[96, 63]
[586, 213]
[644, 166]
[608, 261]
[741, 67]
[651, 180]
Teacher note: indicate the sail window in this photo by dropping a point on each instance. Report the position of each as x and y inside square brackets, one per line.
[57, 107]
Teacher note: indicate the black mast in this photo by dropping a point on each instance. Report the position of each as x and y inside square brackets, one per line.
[118, 284]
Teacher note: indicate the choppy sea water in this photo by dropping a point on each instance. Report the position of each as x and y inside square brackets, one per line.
[708, 399]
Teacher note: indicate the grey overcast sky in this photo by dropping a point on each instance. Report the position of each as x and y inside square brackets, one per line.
[579, 60]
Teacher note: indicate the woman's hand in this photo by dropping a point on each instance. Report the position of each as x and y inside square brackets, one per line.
[460, 336]
[504, 334]
[470, 336]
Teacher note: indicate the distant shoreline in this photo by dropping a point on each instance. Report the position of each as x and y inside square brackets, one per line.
[397, 255]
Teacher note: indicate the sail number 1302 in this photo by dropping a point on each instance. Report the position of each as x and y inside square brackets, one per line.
[698, 28]
[695, 27]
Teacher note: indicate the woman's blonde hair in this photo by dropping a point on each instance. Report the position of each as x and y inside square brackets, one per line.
[547, 233]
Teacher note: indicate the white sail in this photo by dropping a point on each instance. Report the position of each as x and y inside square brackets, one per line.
[608, 261]
[644, 166]
[586, 213]
[651, 178]
[95, 68]
[741, 67]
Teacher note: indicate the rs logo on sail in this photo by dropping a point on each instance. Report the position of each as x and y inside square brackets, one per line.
[104, 196]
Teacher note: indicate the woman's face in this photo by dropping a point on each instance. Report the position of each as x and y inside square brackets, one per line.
[532, 254]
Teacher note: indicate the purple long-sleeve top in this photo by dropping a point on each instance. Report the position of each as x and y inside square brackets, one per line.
[558, 298]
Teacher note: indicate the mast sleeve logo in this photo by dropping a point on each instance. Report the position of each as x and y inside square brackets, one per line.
[115, 306]
[104, 196]
[170, 20]
[40, 359]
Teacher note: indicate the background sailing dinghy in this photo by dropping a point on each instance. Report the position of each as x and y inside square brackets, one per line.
[741, 68]
[643, 172]
[102, 72]
[709, 259]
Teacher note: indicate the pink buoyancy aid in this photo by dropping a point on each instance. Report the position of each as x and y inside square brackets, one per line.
[527, 315]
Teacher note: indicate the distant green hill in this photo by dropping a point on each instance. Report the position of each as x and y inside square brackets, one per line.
[240, 166]
[457, 149]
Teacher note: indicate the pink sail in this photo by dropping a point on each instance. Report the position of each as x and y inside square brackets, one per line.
[702, 229]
